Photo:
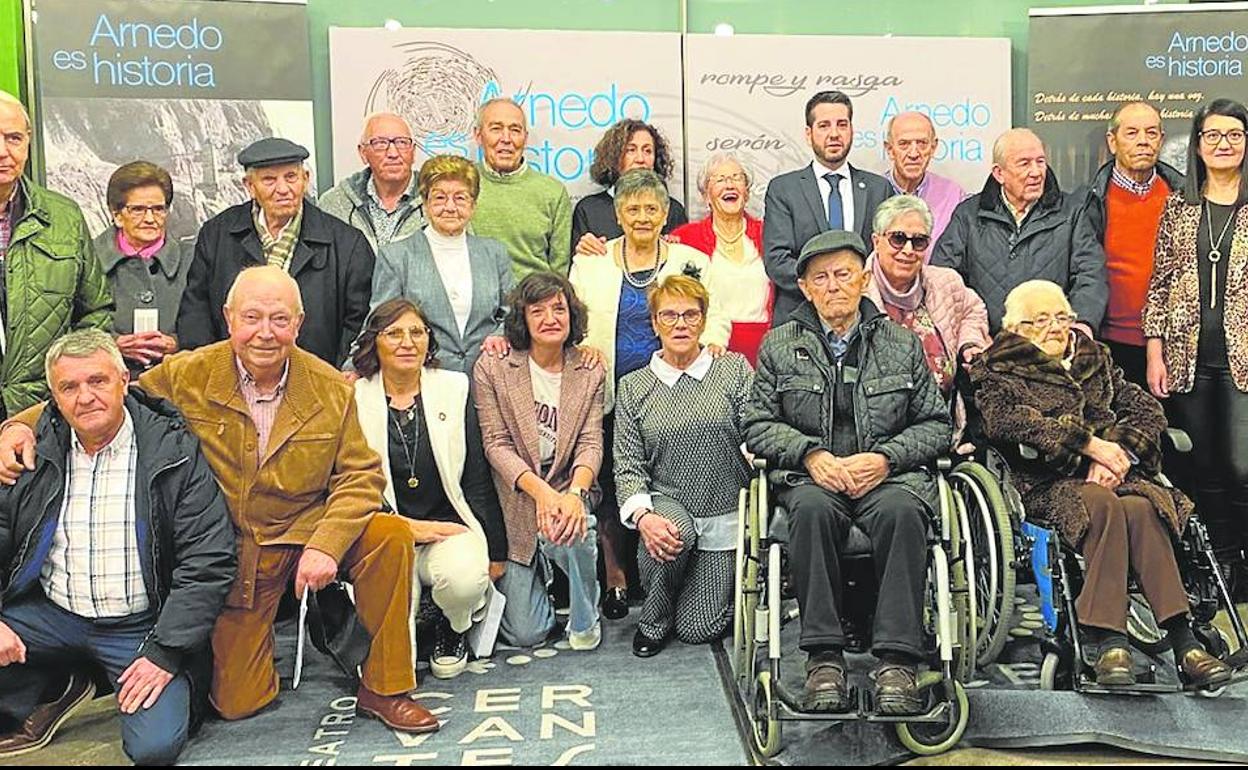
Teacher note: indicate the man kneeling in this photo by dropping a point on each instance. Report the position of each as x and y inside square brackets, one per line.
[846, 413]
[119, 550]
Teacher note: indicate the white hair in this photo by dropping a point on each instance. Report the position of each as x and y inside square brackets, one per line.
[1025, 295]
[82, 344]
[718, 159]
[477, 122]
[8, 98]
[899, 205]
[372, 116]
[266, 272]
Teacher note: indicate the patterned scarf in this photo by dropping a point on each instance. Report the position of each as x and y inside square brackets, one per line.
[279, 250]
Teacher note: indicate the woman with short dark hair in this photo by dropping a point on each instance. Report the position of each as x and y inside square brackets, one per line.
[418, 418]
[146, 269]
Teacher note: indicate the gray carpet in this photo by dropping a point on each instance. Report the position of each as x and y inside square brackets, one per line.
[550, 706]
[1007, 710]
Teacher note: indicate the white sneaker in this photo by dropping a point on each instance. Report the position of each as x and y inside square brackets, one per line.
[586, 640]
[450, 654]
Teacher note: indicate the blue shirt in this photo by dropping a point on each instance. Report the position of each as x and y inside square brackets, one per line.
[635, 339]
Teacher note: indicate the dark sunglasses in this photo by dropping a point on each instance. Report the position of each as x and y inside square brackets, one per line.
[898, 240]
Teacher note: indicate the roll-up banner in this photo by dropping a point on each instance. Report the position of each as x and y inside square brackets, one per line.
[1085, 62]
[183, 84]
[572, 86]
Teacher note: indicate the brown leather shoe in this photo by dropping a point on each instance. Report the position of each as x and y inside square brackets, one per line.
[896, 689]
[1203, 671]
[825, 687]
[398, 712]
[1114, 668]
[41, 726]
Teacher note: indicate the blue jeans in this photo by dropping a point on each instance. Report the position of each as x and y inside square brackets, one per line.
[529, 616]
[55, 639]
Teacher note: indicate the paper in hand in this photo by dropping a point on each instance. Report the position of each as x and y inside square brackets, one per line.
[146, 319]
[303, 632]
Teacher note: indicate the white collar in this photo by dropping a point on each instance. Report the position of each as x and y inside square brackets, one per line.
[669, 375]
[821, 170]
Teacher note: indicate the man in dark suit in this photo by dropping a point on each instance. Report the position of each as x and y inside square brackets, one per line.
[330, 260]
[829, 194]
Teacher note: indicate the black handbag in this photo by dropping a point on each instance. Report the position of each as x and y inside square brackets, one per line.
[335, 628]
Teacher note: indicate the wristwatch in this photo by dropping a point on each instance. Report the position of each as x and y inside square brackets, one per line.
[582, 493]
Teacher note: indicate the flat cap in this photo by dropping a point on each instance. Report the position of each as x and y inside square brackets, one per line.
[271, 151]
[829, 241]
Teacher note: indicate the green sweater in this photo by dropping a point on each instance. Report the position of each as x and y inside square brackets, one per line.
[531, 214]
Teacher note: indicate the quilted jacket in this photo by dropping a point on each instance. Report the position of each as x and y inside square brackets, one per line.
[898, 409]
[1055, 242]
[54, 284]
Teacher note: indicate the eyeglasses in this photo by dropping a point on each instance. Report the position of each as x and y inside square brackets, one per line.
[382, 143]
[918, 241]
[668, 318]
[397, 336]
[1045, 321]
[141, 212]
[460, 200]
[1214, 137]
[726, 178]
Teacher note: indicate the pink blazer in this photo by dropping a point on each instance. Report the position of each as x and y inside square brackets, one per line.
[504, 397]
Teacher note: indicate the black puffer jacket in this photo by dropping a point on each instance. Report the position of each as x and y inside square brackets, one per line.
[898, 409]
[1094, 205]
[186, 540]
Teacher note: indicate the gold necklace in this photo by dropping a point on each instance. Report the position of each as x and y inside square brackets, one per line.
[722, 237]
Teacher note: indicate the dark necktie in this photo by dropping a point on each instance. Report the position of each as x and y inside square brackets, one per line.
[836, 214]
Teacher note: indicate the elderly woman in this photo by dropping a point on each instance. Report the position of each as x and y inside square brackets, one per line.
[678, 467]
[146, 270]
[933, 302]
[614, 288]
[625, 146]
[1194, 320]
[443, 484]
[460, 280]
[1098, 437]
[541, 421]
[734, 242]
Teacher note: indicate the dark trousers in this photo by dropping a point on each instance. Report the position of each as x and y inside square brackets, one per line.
[1215, 414]
[56, 640]
[1133, 360]
[896, 522]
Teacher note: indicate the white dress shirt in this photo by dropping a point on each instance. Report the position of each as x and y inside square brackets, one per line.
[846, 189]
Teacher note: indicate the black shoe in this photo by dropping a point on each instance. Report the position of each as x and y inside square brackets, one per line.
[645, 647]
[450, 653]
[615, 604]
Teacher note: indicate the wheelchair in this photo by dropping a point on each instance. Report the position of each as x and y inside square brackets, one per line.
[1059, 577]
[950, 617]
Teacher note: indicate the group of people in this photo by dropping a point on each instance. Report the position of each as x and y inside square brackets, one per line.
[448, 377]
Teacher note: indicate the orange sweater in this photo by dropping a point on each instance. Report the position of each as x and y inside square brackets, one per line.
[1130, 237]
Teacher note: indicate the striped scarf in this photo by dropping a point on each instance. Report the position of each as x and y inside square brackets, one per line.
[279, 250]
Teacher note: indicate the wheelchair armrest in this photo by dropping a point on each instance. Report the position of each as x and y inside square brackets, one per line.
[1176, 439]
[760, 464]
[1028, 452]
[944, 464]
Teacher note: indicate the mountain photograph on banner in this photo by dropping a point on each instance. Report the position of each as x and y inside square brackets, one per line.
[184, 85]
[438, 78]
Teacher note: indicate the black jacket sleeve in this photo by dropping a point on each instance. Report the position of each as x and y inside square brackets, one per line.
[195, 312]
[357, 290]
[479, 490]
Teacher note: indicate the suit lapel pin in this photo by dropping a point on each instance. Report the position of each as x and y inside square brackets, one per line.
[442, 416]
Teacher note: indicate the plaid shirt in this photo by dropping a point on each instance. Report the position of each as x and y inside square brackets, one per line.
[7, 220]
[94, 569]
[263, 406]
[386, 222]
[277, 250]
[1132, 186]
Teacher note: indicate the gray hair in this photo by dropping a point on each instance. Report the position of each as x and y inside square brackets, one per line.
[265, 271]
[480, 118]
[718, 159]
[1001, 146]
[900, 205]
[372, 116]
[81, 344]
[8, 98]
[888, 128]
[638, 182]
[1024, 295]
[1115, 120]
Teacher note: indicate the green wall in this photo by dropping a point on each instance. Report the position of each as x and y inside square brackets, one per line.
[11, 48]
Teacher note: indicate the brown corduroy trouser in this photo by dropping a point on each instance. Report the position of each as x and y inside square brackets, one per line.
[379, 564]
[1125, 533]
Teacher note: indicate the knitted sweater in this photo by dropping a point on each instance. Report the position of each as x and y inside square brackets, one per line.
[531, 214]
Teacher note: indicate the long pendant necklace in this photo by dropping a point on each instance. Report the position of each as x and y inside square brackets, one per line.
[654, 272]
[1215, 252]
[413, 480]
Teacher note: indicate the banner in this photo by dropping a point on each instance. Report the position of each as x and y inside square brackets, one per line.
[437, 78]
[184, 85]
[747, 94]
[1084, 63]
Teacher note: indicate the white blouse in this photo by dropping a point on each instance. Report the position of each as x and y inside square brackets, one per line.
[742, 287]
[450, 257]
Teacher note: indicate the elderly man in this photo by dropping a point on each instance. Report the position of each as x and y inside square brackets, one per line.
[846, 413]
[829, 194]
[50, 279]
[120, 550]
[330, 261]
[1022, 226]
[1124, 209]
[910, 143]
[380, 200]
[280, 432]
[522, 207]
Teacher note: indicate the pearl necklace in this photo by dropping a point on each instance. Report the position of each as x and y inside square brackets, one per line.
[654, 271]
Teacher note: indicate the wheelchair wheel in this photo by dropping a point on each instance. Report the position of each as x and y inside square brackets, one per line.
[929, 738]
[766, 720]
[1142, 627]
[992, 535]
[1054, 673]
[744, 613]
